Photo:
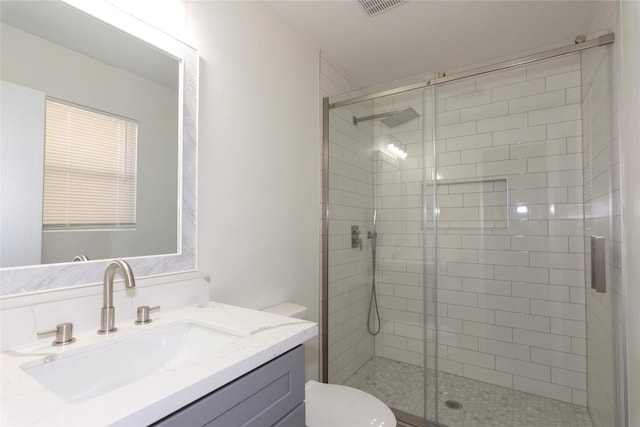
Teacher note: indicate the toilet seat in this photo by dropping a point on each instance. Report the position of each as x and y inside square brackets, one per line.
[331, 405]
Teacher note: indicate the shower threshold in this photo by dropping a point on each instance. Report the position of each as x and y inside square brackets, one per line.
[406, 419]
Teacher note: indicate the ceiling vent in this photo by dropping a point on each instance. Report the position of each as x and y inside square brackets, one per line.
[374, 7]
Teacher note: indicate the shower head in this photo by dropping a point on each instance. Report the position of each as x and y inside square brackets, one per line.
[399, 117]
[392, 119]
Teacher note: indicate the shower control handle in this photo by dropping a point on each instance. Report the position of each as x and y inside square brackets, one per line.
[356, 240]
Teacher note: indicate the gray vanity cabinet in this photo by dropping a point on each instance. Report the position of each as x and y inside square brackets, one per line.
[270, 395]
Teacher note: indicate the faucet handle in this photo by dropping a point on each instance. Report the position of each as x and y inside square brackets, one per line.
[142, 314]
[64, 334]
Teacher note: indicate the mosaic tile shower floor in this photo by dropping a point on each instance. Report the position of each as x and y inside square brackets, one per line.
[400, 386]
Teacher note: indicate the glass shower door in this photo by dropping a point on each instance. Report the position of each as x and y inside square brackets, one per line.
[377, 268]
[510, 247]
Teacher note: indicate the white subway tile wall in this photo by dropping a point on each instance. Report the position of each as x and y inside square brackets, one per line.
[398, 203]
[511, 296]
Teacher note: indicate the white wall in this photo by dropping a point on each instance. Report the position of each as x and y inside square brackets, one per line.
[258, 233]
[21, 157]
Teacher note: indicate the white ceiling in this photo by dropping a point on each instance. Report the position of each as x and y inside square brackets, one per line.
[421, 36]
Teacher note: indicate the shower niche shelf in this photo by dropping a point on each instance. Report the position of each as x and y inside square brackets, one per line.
[473, 204]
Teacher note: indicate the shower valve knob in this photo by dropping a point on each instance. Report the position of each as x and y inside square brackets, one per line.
[356, 240]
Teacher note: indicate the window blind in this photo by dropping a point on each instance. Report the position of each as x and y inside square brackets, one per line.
[90, 168]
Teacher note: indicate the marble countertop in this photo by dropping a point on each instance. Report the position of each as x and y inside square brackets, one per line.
[263, 336]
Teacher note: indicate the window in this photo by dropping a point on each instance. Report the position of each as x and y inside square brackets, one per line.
[90, 168]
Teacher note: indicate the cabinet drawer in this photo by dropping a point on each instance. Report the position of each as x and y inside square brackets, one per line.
[262, 397]
[295, 418]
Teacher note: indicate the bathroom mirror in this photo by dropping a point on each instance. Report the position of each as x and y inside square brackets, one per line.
[96, 57]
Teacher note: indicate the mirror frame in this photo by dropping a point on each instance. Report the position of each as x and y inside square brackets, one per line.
[46, 277]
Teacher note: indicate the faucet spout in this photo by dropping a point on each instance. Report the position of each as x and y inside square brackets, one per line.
[107, 313]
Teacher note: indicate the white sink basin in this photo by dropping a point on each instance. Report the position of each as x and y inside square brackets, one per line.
[84, 374]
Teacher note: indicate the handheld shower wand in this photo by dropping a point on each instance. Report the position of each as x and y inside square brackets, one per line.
[374, 313]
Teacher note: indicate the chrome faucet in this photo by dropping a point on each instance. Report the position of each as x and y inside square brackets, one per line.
[107, 314]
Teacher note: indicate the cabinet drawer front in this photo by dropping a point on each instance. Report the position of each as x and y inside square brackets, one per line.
[295, 418]
[259, 398]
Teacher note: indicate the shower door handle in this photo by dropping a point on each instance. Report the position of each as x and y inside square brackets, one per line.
[422, 206]
[598, 264]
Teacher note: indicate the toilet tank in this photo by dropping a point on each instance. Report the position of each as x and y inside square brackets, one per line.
[289, 310]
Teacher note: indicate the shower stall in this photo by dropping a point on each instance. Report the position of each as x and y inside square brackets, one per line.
[457, 244]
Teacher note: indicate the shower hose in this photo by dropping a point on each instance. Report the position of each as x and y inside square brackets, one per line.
[374, 313]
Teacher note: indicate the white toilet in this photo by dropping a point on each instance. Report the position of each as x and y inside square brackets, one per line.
[331, 405]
